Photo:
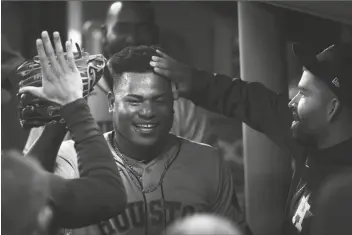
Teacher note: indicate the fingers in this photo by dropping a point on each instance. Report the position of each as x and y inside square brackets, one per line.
[158, 59]
[159, 63]
[43, 59]
[163, 54]
[59, 51]
[70, 57]
[36, 91]
[55, 67]
[163, 72]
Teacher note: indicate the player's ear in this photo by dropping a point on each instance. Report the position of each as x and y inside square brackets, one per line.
[333, 109]
[111, 101]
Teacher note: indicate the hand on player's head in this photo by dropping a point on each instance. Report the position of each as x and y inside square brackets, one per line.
[62, 82]
[179, 73]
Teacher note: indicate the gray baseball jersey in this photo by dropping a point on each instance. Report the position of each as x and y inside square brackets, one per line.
[189, 177]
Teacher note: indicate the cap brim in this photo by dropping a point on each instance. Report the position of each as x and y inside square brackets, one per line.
[307, 58]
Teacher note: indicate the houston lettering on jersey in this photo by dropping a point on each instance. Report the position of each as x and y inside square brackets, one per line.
[133, 220]
[194, 180]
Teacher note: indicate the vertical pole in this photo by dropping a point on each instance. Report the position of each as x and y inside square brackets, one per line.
[74, 21]
[267, 169]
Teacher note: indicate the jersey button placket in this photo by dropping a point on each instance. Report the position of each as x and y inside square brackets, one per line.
[147, 182]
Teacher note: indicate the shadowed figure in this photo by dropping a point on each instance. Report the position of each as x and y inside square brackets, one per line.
[24, 196]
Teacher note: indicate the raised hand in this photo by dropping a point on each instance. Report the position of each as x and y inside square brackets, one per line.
[177, 72]
[61, 80]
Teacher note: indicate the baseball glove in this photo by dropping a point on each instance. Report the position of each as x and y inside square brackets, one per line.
[34, 111]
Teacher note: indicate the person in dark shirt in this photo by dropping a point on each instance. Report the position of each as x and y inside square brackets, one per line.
[315, 127]
[334, 206]
[99, 193]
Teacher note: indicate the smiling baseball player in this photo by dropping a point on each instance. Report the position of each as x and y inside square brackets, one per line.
[165, 177]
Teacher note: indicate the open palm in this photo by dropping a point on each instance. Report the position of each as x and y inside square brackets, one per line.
[61, 80]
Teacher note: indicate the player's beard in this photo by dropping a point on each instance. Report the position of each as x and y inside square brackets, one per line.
[302, 133]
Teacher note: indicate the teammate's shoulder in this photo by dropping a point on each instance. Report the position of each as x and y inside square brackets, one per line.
[198, 151]
[199, 158]
[195, 145]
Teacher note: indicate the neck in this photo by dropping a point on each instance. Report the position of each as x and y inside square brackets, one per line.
[338, 134]
[137, 152]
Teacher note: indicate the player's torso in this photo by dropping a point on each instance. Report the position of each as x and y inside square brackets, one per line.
[171, 188]
[302, 210]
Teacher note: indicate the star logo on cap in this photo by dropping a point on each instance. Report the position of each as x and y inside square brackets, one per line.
[336, 82]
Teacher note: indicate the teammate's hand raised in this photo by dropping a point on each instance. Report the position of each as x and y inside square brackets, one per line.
[61, 80]
[177, 72]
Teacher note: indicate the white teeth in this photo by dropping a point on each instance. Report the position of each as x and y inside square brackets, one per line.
[146, 125]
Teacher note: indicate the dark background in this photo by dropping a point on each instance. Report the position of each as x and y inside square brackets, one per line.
[22, 23]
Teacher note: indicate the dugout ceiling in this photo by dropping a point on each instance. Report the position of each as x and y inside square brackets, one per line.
[315, 23]
[339, 11]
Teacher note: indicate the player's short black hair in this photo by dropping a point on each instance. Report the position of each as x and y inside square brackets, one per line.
[131, 59]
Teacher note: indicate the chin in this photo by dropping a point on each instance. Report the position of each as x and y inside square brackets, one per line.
[146, 142]
[302, 137]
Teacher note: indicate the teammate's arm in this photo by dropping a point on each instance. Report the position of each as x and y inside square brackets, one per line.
[45, 148]
[252, 103]
[99, 192]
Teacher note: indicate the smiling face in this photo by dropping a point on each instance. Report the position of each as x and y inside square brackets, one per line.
[313, 108]
[142, 107]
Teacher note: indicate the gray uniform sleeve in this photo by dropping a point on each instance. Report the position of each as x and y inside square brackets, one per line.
[66, 162]
[191, 122]
[226, 202]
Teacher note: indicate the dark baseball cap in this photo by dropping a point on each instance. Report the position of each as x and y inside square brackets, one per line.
[333, 65]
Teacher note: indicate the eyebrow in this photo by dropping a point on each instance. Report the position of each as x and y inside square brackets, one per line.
[302, 88]
[141, 97]
[134, 96]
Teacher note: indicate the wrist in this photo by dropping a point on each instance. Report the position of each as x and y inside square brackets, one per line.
[192, 82]
[71, 99]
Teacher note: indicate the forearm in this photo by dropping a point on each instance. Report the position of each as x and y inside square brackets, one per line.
[99, 194]
[46, 147]
[252, 103]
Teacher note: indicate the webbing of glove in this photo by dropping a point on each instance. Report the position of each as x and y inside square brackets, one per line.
[34, 111]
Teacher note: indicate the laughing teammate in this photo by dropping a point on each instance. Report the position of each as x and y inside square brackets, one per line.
[315, 127]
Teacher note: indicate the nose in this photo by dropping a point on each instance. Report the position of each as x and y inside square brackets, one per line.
[146, 111]
[292, 104]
